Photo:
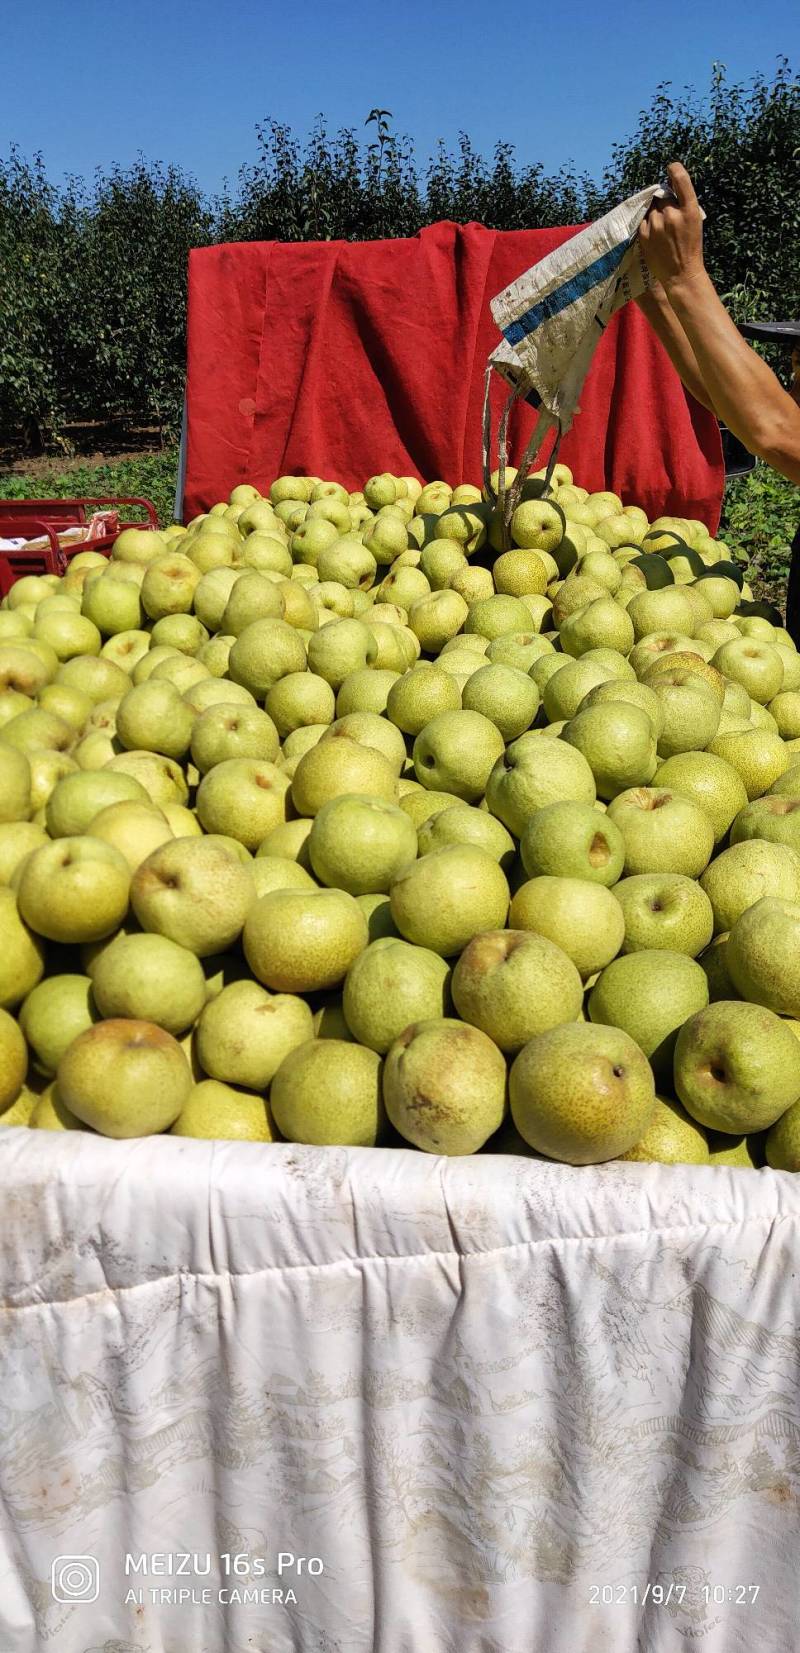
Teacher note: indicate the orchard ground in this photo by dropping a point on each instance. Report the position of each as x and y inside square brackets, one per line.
[759, 519]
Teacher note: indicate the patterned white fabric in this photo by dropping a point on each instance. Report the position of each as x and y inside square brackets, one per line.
[482, 1392]
[553, 316]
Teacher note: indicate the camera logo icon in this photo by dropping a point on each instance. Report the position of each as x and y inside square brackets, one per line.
[75, 1578]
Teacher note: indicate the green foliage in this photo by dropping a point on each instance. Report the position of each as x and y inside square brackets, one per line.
[153, 477]
[93, 289]
[761, 515]
[93, 295]
[742, 148]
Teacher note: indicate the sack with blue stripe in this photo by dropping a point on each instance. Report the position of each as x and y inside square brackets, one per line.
[551, 319]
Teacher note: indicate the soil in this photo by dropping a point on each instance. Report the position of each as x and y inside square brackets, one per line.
[89, 444]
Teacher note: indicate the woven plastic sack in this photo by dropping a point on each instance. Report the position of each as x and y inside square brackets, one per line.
[552, 319]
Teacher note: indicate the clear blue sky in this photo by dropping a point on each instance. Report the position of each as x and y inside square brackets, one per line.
[90, 82]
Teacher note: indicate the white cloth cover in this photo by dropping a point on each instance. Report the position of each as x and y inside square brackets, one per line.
[483, 1392]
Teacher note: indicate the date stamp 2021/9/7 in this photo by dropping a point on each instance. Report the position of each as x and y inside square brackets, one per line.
[671, 1594]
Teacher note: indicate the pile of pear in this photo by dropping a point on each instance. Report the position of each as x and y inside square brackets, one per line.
[335, 818]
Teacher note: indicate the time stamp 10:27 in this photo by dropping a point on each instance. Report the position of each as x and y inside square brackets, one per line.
[661, 1595]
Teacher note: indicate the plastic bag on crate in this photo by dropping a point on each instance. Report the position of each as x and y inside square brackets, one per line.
[83, 535]
[552, 319]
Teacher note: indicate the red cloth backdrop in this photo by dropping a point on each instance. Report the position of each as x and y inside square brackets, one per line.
[341, 359]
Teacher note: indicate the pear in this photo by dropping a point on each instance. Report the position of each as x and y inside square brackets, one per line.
[124, 1078]
[328, 1092]
[365, 691]
[737, 1067]
[154, 717]
[762, 954]
[518, 573]
[582, 1093]
[421, 806]
[77, 798]
[569, 683]
[243, 798]
[437, 618]
[448, 896]
[298, 699]
[359, 844]
[566, 840]
[244, 1033]
[444, 1087]
[149, 978]
[74, 890]
[714, 961]
[520, 649]
[582, 918]
[774, 819]
[289, 840]
[463, 824]
[180, 631]
[745, 873]
[662, 831]
[650, 994]
[196, 892]
[757, 755]
[263, 653]
[667, 610]
[419, 695]
[618, 742]
[340, 648]
[756, 665]
[783, 1141]
[253, 597]
[492, 617]
[17, 839]
[276, 872]
[788, 784]
[21, 1110]
[13, 1061]
[535, 771]
[339, 766]
[671, 1138]
[506, 697]
[15, 785]
[603, 623]
[708, 781]
[37, 731]
[134, 828]
[50, 1113]
[303, 941]
[162, 778]
[390, 985]
[377, 734]
[222, 1113]
[22, 953]
[228, 731]
[630, 693]
[169, 585]
[691, 710]
[53, 1014]
[664, 910]
[785, 709]
[513, 984]
[456, 753]
[537, 525]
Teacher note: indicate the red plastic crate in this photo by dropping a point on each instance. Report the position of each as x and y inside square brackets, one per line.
[65, 513]
[15, 564]
[36, 518]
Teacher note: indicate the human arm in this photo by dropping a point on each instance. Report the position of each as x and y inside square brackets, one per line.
[655, 306]
[741, 388]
